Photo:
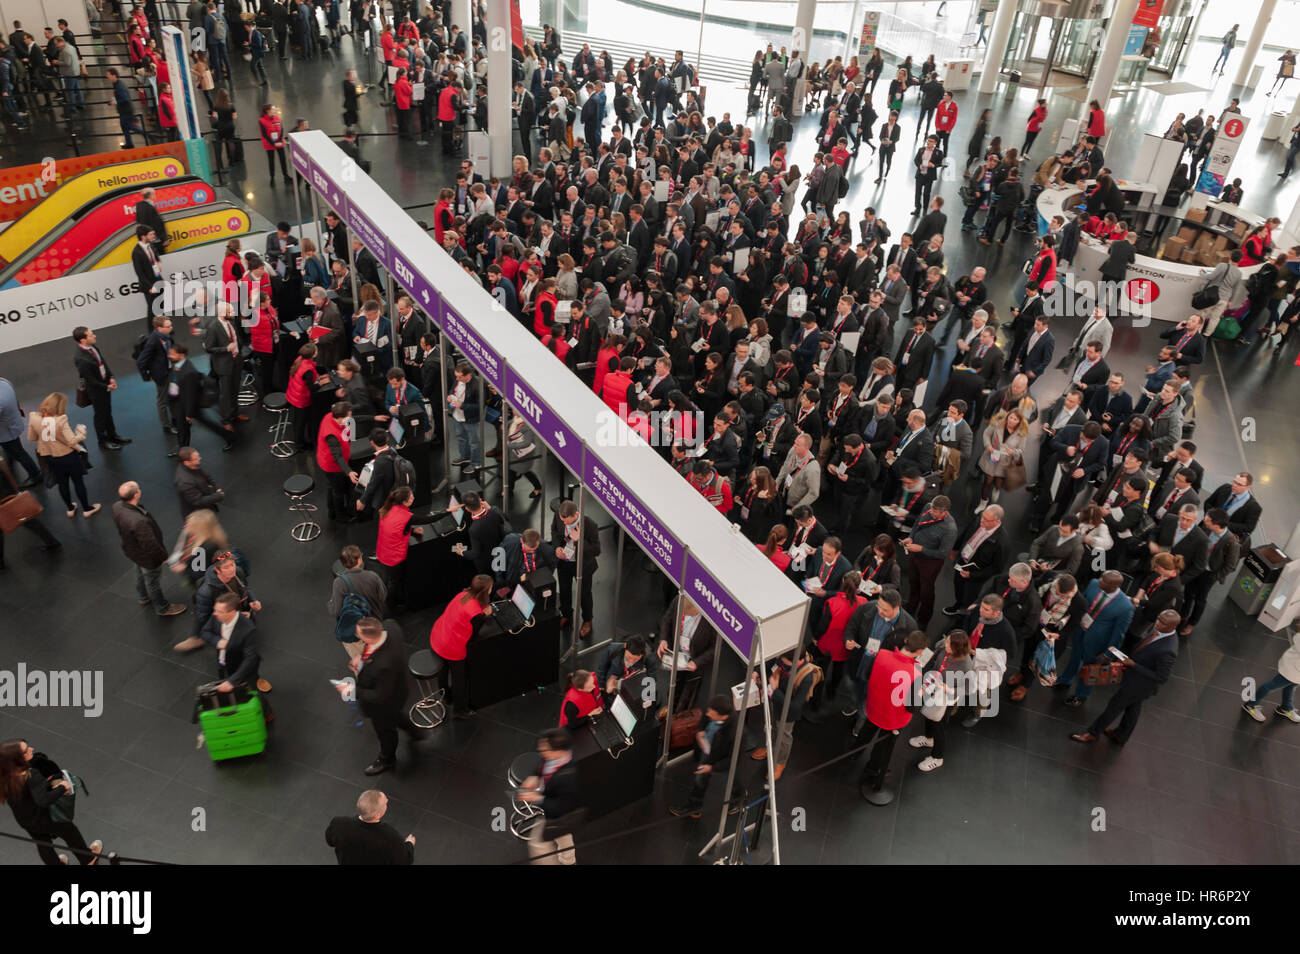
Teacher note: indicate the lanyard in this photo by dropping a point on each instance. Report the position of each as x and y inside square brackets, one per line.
[1124, 444]
[1104, 599]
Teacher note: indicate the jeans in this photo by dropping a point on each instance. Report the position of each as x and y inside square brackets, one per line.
[1223, 57]
[148, 586]
[129, 125]
[221, 61]
[467, 442]
[15, 453]
[259, 70]
[1279, 681]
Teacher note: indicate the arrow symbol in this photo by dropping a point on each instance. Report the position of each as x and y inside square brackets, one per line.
[425, 296]
[559, 438]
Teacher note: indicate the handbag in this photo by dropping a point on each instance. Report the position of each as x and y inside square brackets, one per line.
[1043, 665]
[1206, 297]
[935, 694]
[17, 509]
[1102, 674]
[82, 394]
[681, 731]
[65, 808]
[1014, 476]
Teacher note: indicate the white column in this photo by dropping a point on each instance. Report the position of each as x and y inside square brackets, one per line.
[1112, 48]
[1002, 21]
[462, 16]
[1254, 42]
[854, 32]
[499, 87]
[1292, 224]
[801, 36]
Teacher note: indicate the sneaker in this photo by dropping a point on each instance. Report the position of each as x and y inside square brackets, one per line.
[94, 509]
[378, 767]
[174, 609]
[460, 462]
[849, 711]
[921, 742]
[981, 506]
[1287, 714]
[1253, 710]
[930, 764]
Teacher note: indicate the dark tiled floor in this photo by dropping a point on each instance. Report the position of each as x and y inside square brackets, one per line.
[1199, 783]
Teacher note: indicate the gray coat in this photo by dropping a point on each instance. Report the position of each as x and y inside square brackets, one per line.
[806, 485]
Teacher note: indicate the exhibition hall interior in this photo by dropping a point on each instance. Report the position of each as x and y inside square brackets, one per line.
[523, 432]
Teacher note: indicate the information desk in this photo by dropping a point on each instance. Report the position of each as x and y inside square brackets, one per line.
[434, 574]
[1164, 287]
[608, 783]
[503, 665]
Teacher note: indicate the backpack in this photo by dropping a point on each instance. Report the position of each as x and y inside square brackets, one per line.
[355, 608]
[403, 472]
[844, 186]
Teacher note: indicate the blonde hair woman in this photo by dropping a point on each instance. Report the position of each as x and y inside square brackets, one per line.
[200, 540]
[60, 445]
[1004, 451]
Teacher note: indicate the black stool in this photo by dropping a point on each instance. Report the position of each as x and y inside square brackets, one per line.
[298, 488]
[278, 404]
[430, 710]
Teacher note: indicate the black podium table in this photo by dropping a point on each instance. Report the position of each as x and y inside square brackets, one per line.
[503, 665]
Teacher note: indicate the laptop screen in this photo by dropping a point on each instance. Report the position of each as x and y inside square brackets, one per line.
[523, 600]
[459, 516]
[625, 717]
[396, 431]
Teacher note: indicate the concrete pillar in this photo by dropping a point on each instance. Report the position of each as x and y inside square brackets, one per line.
[1002, 21]
[499, 87]
[1112, 48]
[854, 32]
[801, 36]
[1254, 42]
[1292, 224]
[462, 16]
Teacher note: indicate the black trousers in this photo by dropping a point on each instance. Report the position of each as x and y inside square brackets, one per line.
[71, 836]
[1126, 707]
[995, 219]
[340, 495]
[302, 427]
[36, 527]
[101, 400]
[185, 428]
[456, 672]
[386, 722]
[150, 298]
[270, 163]
[567, 571]
[873, 773]
[921, 574]
[1029, 142]
[1195, 595]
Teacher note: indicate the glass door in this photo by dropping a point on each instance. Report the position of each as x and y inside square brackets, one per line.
[1174, 34]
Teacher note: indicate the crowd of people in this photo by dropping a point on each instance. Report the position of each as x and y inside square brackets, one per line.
[779, 361]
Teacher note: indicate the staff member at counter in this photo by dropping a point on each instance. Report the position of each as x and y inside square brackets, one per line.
[582, 701]
[452, 632]
[487, 527]
[393, 543]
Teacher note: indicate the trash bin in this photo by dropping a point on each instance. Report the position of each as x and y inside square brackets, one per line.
[1260, 570]
[1274, 126]
[1013, 84]
[1256, 74]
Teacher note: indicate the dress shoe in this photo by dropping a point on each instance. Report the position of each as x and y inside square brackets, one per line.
[228, 446]
[174, 609]
[173, 454]
[1113, 736]
[1083, 737]
[119, 439]
[1074, 702]
[378, 767]
[758, 754]
[1015, 679]
[685, 811]
[263, 685]
[1185, 629]
[110, 446]
[188, 645]
[145, 602]
[952, 610]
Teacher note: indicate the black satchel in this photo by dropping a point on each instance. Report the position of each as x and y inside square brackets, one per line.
[1206, 297]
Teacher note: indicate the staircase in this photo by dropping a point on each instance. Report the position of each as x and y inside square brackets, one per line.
[715, 69]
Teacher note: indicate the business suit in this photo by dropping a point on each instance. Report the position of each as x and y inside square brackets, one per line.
[918, 350]
[895, 290]
[568, 568]
[148, 275]
[187, 405]
[1102, 403]
[240, 664]
[217, 338]
[1243, 521]
[1194, 547]
[357, 842]
[988, 557]
[914, 448]
[1153, 662]
[1111, 616]
[1189, 346]
[1091, 460]
[1034, 360]
[92, 368]
[147, 214]
[381, 690]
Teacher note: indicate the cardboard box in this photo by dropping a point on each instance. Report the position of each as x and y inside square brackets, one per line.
[1220, 243]
[1188, 234]
[1174, 248]
[1205, 258]
[1221, 257]
[1188, 257]
[1195, 215]
[1241, 228]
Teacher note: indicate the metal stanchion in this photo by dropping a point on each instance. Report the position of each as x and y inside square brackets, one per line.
[672, 674]
[576, 595]
[505, 460]
[448, 425]
[393, 335]
[716, 840]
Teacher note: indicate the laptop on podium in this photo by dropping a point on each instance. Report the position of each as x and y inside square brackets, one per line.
[613, 728]
[513, 614]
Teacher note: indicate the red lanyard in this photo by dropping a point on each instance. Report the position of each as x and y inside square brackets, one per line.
[530, 561]
[1124, 444]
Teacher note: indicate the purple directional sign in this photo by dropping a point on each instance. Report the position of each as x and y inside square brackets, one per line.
[323, 184]
[725, 613]
[637, 519]
[301, 161]
[425, 295]
[365, 230]
[472, 345]
[548, 425]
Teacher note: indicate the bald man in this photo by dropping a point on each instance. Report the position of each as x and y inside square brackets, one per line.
[143, 544]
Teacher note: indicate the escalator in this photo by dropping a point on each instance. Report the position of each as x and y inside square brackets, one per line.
[214, 222]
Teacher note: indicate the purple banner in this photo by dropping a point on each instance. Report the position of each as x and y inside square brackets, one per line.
[323, 184]
[472, 346]
[300, 161]
[425, 295]
[638, 519]
[365, 230]
[543, 420]
[727, 616]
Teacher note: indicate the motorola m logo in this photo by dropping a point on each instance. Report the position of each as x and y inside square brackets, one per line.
[403, 272]
[719, 607]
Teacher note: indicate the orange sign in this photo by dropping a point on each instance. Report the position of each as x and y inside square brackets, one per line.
[22, 187]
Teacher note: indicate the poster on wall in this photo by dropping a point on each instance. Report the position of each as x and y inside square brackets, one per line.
[1215, 172]
[870, 26]
[1148, 12]
[1137, 35]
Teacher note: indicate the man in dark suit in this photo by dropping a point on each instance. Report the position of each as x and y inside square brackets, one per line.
[1023, 317]
[554, 789]
[148, 271]
[222, 346]
[367, 839]
[1111, 405]
[381, 686]
[146, 213]
[152, 365]
[1119, 257]
[915, 355]
[234, 636]
[100, 384]
[187, 402]
[904, 255]
[564, 538]
[1222, 553]
[928, 159]
[931, 224]
[715, 735]
[1187, 341]
[978, 555]
[1092, 372]
[986, 358]
[195, 489]
[914, 446]
[894, 290]
[1181, 534]
[1081, 454]
[963, 384]
[1147, 668]
[1036, 354]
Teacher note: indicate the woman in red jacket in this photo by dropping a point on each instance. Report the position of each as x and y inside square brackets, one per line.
[945, 120]
[830, 627]
[1254, 246]
[264, 329]
[607, 359]
[232, 270]
[444, 218]
[1096, 121]
[402, 99]
[273, 142]
[1034, 126]
[396, 524]
[298, 392]
[167, 113]
[581, 701]
[544, 313]
[774, 548]
[1044, 268]
[452, 632]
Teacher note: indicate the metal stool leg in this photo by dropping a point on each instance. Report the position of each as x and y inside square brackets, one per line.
[247, 390]
[431, 709]
[280, 447]
[307, 530]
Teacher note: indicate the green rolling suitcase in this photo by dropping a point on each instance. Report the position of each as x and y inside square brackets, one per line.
[233, 724]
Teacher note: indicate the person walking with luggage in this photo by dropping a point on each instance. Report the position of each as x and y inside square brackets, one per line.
[142, 542]
[715, 735]
[381, 687]
[234, 636]
[31, 784]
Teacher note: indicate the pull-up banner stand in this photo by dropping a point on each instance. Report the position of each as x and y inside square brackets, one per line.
[735, 586]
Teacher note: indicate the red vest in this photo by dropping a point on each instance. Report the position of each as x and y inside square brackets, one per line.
[840, 609]
[603, 358]
[586, 702]
[539, 324]
[889, 690]
[614, 391]
[330, 427]
[392, 543]
[298, 391]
